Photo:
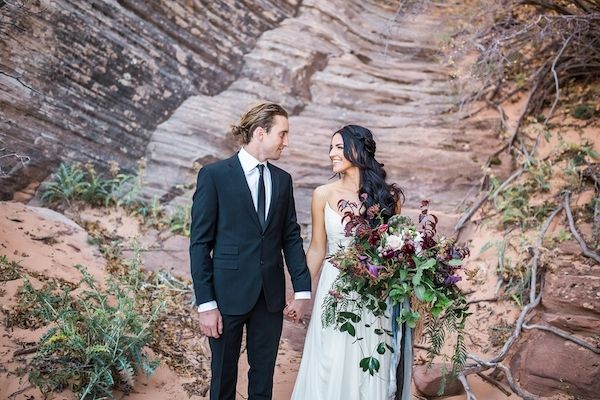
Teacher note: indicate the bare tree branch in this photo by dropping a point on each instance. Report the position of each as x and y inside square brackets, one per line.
[555, 75]
[525, 395]
[463, 379]
[584, 248]
[494, 383]
[467, 216]
[564, 335]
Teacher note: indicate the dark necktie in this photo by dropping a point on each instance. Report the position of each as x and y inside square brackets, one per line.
[260, 210]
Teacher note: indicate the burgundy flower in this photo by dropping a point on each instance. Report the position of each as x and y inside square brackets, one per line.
[374, 238]
[388, 254]
[408, 248]
[428, 242]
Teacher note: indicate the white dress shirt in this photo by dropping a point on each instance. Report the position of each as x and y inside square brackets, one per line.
[252, 174]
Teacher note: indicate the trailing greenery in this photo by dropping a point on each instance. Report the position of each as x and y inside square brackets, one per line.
[98, 343]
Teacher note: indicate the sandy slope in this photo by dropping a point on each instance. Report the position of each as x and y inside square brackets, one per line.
[48, 243]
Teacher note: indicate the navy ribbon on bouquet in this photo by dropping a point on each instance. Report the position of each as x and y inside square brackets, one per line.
[403, 353]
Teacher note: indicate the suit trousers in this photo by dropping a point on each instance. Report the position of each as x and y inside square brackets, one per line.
[263, 331]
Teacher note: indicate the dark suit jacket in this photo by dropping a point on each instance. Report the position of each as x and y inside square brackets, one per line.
[232, 259]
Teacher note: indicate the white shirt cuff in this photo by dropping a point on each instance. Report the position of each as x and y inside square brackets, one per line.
[211, 305]
[302, 295]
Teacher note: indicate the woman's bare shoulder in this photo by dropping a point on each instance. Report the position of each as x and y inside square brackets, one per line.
[324, 191]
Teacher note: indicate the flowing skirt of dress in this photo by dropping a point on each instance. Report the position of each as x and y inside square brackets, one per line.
[330, 362]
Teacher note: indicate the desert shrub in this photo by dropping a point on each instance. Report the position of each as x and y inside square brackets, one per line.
[98, 343]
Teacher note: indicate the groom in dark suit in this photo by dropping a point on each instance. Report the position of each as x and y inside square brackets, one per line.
[243, 219]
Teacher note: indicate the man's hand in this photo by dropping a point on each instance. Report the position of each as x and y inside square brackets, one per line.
[211, 323]
[295, 309]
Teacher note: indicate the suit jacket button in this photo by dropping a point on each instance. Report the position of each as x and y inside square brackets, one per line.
[262, 262]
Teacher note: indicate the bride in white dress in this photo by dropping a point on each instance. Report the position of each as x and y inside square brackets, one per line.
[330, 361]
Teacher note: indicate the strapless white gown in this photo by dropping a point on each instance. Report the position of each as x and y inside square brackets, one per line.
[330, 362]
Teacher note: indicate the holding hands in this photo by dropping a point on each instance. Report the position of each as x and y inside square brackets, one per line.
[295, 309]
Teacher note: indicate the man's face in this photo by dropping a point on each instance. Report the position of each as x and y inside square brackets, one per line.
[274, 141]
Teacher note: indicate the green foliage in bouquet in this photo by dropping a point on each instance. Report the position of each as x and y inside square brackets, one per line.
[387, 264]
[97, 345]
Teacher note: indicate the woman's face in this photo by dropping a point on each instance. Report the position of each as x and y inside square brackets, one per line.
[340, 164]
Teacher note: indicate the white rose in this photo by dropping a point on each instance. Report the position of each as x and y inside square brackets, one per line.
[394, 242]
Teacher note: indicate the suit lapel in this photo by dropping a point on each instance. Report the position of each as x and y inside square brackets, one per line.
[274, 194]
[239, 179]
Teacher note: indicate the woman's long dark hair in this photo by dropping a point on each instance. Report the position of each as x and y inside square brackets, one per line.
[359, 149]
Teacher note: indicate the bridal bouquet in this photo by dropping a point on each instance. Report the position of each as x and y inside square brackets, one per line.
[390, 264]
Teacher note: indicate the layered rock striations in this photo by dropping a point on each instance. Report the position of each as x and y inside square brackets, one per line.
[335, 63]
[90, 81]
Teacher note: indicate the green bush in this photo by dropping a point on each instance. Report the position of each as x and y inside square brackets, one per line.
[98, 343]
[66, 186]
[75, 183]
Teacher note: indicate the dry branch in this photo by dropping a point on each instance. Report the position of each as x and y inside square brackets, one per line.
[23, 352]
[467, 216]
[491, 299]
[483, 198]
[494, 383]
[525, 395]
[584, 248]
[564, 335]
[463, 379]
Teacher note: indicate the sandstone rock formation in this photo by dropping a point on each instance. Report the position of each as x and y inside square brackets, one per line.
[337, 62]
[90, 81]
[119, 80]
[547, 364]
[428, 380]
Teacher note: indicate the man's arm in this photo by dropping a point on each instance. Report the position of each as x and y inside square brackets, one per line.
[202, 239]
[294, 252]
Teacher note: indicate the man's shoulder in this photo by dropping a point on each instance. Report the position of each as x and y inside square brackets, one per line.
[278, 170]
[219, 165]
